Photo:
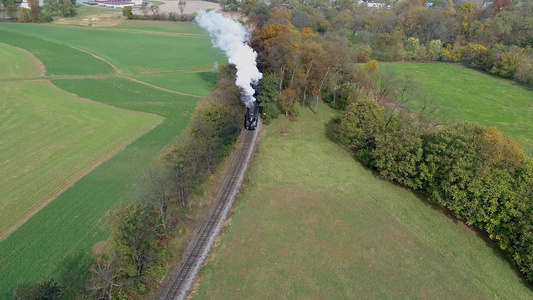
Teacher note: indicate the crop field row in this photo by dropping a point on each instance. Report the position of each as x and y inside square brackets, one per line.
[50, 143]
[17, 63]
[57, 241]
[58, 59]
[316, 224]
[86, 202]
[468, 94]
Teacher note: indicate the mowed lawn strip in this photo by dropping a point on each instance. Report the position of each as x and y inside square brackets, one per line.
[131, 52]
[315, 224]
[56, 242]
[475, 96]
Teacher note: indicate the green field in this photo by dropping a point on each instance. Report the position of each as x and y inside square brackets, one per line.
[17, 63]
[56, 242]
[49, 144]
[476, 96]
[191, 83]
[314, 224]
[172, 27]
[129, 51]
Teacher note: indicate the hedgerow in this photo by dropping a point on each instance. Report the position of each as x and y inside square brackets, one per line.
[480, 175]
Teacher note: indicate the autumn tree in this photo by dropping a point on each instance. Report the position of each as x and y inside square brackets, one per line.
[48, 289]
[310, 57]
[411, 47]
[361, 124]
[281, 54]
[181, 6]
[62, 8]
[155, 188]
[104, 279]
[133, 239]
[289, 97]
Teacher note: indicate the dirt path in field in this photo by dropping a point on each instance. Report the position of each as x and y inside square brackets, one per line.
[98, 57]
[162, 89]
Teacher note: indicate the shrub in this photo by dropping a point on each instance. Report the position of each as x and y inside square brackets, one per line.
[434, 49]
[411, 48]
[399, 152]
[361, 124]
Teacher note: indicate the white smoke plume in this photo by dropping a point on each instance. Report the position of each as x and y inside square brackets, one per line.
[231, 37]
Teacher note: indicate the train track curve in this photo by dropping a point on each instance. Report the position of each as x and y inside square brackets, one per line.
[183, 275]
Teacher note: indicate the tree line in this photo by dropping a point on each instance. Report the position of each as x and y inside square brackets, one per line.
[480, 175]
[36, 13]
[308, 53]
[144, 230]
[307, 50]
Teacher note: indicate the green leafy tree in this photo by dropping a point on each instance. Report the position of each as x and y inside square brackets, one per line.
[62, 8]
[269, 97]
[127, 12]
[434, 49]
[411, 47]
[399, 152]
[361, 124]
[133, 239]
[450, 165]
[46, 290]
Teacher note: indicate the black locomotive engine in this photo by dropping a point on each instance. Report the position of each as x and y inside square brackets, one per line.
[252, 116]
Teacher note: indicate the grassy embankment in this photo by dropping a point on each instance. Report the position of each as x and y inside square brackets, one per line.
[314, 223]
[318, 225]
[57, 241]
[476, 96]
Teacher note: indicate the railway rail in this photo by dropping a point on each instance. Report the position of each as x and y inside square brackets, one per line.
[183, 276]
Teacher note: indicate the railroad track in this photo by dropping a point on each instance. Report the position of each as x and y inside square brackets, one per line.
[183, 276]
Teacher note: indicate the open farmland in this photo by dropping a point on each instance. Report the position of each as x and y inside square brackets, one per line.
[315, 224]
[48, 144]
[475, 96]
[57, 241]
[131, 51]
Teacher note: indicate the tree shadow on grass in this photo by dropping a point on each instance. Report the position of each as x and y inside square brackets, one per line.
[70, 273]
[332, 130]
[208, 77]
[479, 233]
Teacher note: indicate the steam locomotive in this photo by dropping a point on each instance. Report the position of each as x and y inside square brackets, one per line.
[251, 117]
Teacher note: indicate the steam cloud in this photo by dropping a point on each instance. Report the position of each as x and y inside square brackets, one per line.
[230, 37]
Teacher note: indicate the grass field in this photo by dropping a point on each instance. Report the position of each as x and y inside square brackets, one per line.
[314, 224]
[57, 241]
[48, 144]
[172, 27]
[131, 52]
[191, 83]
[59, 59]
[476, 96]
[17, 63]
